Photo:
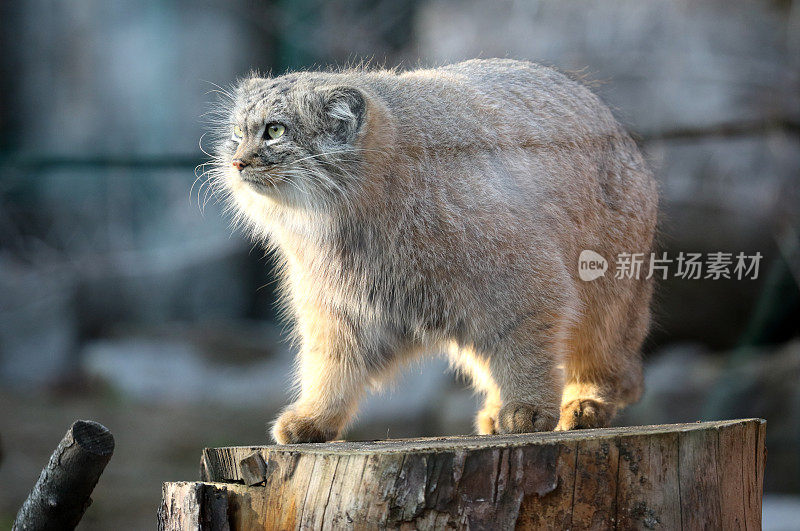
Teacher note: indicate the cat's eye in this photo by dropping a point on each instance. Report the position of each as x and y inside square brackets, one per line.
[275, 131]
[237, 132]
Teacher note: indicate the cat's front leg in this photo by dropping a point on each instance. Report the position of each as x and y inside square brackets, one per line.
[332, 375]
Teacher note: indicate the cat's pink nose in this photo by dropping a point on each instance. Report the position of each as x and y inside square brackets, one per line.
[239, 164]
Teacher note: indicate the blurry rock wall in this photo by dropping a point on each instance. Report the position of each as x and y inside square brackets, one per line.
[100, 135]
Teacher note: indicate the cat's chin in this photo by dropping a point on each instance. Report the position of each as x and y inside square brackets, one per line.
[259, 183]
[277, 193]
[263, 188]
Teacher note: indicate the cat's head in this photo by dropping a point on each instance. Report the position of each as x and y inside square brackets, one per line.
[297, 139]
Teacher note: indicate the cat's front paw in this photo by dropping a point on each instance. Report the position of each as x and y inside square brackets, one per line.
[518, 417]
[486, 419]
[486, 422]
[293, 428]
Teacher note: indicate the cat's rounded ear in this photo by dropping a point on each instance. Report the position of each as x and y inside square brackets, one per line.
[344, 111]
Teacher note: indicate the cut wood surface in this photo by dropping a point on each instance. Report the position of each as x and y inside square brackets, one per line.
[681, 476]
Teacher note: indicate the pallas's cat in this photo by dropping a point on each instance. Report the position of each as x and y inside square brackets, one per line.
[445, 210]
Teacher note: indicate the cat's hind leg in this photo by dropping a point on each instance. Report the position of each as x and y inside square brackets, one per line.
[526, 364]
[604, 370]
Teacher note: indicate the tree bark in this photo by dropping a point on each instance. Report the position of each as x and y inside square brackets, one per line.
[682, 476]
[62, 493]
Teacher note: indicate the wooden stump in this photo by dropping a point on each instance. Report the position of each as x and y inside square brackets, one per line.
[681, 476]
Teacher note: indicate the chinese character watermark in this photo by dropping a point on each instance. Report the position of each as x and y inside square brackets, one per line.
[687, 266]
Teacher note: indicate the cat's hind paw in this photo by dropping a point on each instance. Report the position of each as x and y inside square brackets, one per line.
[585, 413]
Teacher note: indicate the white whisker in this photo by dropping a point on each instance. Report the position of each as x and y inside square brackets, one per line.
[200, 144]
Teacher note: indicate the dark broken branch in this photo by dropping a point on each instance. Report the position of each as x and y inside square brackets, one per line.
[62, 493]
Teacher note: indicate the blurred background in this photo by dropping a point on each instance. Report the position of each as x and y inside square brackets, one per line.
[127, 299]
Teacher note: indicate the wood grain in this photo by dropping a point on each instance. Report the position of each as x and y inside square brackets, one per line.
[684, 476]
